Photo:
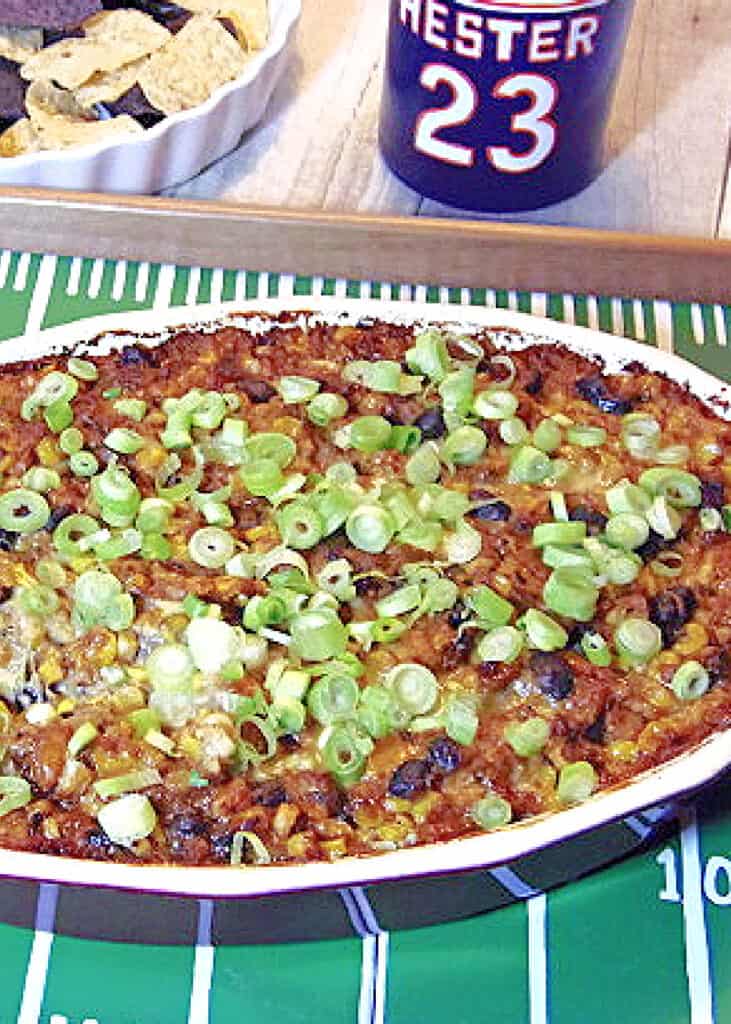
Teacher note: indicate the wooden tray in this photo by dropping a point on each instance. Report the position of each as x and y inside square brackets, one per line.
[460, 253]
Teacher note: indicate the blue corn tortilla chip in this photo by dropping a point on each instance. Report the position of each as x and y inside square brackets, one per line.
[46, 13]
[12, 92]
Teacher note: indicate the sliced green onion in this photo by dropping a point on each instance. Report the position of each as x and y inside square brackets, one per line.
[59, 416]
[212, 643]
[596, 649]
[370, 528]
[297, 389]
[557, 557]
[460, 721]
[130, 782]
[124, 441]
[668, 563]
[278, 447]
[528, 738]
[576, 782]
[299, 525]
[462, 545]
[627, 497]
[664, 519]
[318, 634]
[50, 573]
[210, 411]
[641, 435]
[377, 712]
[422, 535]
[183, 487]
[260, 853]
[529, 465]
[710, 520]
[513, 431]
[132, 408]
[429, 355]
[403, 600]
[156, 547]
[559, 511]
[23, 511]
[571, 593]
[547, 436]
[413, 686]
[544, 632]
[463, 447]
[84, 464]
[272, 610]
[628, 530]
[333, 699]
[502, 644]
[116, 493]
[325, 408]
[489, 607]
[492, 812]
[558, 533]
[40, 479]
[424, 467]
[71, 440]
[384, 375]
[344, 749]
[39, 600]
[70, 530]
[14, 794]
[261, 477]
[82, 737]
[438, 596]
[112, 393]
[211, 547]
[681, 489]
[586, 436]
[672, 455]
[128, 819]
[82, 368]
[637, 641]
[456, 390]
[436, 502]
[369, 433]
[289, 716]
[194, 608]
[404, 439]
[153, 515]
[690, 681]
[336, 578]
[119, 546]
[54, 387]
[495, 405]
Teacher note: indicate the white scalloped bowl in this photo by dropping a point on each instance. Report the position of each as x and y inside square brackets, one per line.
[682, 774]
[180, 146]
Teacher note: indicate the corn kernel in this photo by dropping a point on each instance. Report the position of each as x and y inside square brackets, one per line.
[65, 706]
[48, 452]
[334, 848]
[298, 845]
[50, 669]
[422, 808]
[623, 750]
[693, 639]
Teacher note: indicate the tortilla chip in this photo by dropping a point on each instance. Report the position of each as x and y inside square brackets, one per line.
[19, 138]
[250, 18]
[62, 132]
[108, 86]
[107, 46]
[46, 13]
[44, 101]
[191, 66]
[18, 44]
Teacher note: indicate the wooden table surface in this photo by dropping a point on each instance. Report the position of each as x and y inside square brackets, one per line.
[668, 141]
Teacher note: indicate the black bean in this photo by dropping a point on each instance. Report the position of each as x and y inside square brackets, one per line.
[670, 611]
[259, 391]
[30, 694]
[553, 676]
[597, 730]
[99, 841]
[457, 615]
[493, 512]
[5, 594]
[408, 780]
[653, 546]
[134, 355]
[289, 741]
[459, 650]
[231, 612]
[221, 845]
[431, 424]
[370, 586]
[57, 516]
[712, 494]
[8, 539]
[269, 794]
[594, 390]
[443, 755]
[718, 666]
[535, 384]
[595, 520]
[183, 826]
[576, 634]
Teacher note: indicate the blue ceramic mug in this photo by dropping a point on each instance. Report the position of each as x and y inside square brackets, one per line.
[500, 104]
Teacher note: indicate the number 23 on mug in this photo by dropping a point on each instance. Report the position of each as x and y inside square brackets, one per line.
[500, 104]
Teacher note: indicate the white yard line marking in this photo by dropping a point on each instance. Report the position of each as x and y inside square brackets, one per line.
[217, 285]
[5, 257]
[200, 993]
[697, 959]
[638, 311]
[374, 956]
[194, 281]
[465, 297]
[72, 285]
[40, 954]
[617, 316]
[240, 290]
[41, 294]
[165, 284]
[719, 322]
[537, 960]
[490, 297]
[21, 272]
[286, 286]
[341, 288]
[404, 293]
[569, 309]
[664, 325]
[120, 279]
[379, 1000]
[318, 283]
[262, 286]
[592, 312]
[142, 282]
[420, 293]
[95, 279]
[696, 323]
[443, 295]
[513, 300]
[514, 883]
[539, 304]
